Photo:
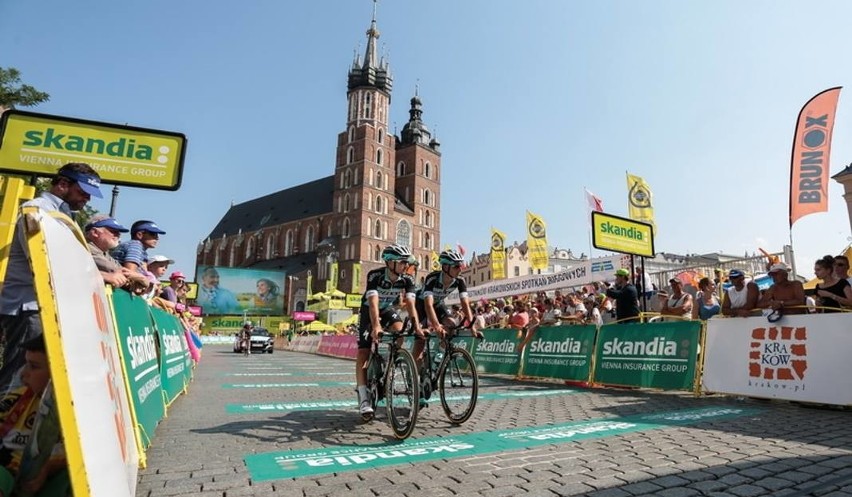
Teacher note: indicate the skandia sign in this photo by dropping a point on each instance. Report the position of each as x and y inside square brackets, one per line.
[622, 235]
[39, 144]
[657, 346]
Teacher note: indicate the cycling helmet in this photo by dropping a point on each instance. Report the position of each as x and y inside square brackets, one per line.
[396, 253]
[451, 257]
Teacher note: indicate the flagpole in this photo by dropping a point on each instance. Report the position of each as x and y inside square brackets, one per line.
[588, 219]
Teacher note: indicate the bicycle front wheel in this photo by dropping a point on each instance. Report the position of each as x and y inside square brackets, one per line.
[403, 394]
[458, 383]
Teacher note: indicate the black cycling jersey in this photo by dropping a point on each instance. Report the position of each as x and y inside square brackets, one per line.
[388, 291]
[433, 286]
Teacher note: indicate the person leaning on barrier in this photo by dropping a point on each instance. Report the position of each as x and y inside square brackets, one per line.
[679, 303]
[102, 235]
[70, 190]
[785, 295]
[741, 298]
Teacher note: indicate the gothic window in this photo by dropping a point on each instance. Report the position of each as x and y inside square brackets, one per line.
[379, 180]
[427, 240]
[346, 228]
[250, 247]
[368, 105]
[309, 239]
[347, 178]
[270, 246]
[346, 203]
[379, 157]
[427, 170]
[381, 135]
[351, 133]
[377, 231]
[377, 253]
[400, 169]
[378, 204]
[403, 233]
[288, 243]
[427, 197]
[350, 155]
[428, 219]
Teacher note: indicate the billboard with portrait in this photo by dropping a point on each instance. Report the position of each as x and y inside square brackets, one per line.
[229, 290]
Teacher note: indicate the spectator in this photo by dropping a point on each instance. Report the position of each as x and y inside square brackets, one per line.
[593, 316]
[841, 268]
[520, 318]
[679, 303]
[212, 297]
[70, 190]
[17, 413]
[741, 298]
[833, 293]
[575, 311]
[626, 297]
[133, 254]
[784, 293]
[177, 286]
[706, 302]
[551, 314]
[102, 235]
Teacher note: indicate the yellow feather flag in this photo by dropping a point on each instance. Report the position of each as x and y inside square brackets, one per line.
[639, 201]
[498, 254]
[435, 264]
[536, 241]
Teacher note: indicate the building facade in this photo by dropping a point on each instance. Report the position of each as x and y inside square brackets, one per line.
[383, 189]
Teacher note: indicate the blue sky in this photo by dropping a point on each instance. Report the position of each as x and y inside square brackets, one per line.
[532, 100]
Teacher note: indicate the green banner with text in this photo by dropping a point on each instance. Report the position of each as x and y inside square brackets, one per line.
[140, 362]
[562, 352]
[498, 352]
[175, 362]
[654, 355]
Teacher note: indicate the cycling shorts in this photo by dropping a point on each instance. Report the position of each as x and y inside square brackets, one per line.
[387, 317]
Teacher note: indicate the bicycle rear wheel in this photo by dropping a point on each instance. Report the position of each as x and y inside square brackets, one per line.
[458, 383]
[403, 394]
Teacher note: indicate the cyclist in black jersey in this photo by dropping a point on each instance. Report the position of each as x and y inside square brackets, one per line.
[377, 313]
[437, 286]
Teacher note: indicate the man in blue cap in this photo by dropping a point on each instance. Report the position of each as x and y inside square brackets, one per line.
[70, 190]
[102, 234]
[133, 254]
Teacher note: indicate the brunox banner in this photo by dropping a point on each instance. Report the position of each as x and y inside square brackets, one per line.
[802, 358]
[141, 363]
[498, 352]
[654, 355]
[562, 352]
[175, 362]
[90, 397]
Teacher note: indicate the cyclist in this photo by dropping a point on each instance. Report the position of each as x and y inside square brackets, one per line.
[377, 312]
[437, 286]
[245, 337]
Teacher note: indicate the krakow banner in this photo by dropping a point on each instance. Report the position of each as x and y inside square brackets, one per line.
[584, 273]
[802, 358]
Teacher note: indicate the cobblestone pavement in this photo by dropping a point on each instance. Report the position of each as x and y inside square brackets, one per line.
[777, 449]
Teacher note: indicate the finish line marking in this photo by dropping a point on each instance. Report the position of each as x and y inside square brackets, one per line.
[338, 404]
[295, 464]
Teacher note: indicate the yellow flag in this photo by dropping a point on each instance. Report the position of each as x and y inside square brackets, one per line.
[498, 254]
[435, 264]
[639, 201]
[356, 277]
[331, 283]
[536, 241]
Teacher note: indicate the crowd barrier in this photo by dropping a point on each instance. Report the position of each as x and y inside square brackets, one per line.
[799, 358]
[115, 362]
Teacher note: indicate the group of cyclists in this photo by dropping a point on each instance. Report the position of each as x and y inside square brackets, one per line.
[425, 306]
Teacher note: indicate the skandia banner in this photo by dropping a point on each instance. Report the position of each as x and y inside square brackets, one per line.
[584, 273]
[40, 144]
[654, 355]
[175, 361]
[498, 352]
[90, 396]
[622, 235]
[811, 154]
[802, 358]
[562, 352]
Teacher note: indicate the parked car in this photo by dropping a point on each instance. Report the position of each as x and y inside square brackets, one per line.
[261, 341]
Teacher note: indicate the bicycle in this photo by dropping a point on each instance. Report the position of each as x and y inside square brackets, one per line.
[397, 385]
[454, 375]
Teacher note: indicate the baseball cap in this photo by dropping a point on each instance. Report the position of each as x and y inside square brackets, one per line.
[735, 273]
[160, 258]
[779, 266]
[88, 183]
[149, 226]
[177, 275]
[107, 223]
[675, 280]
[622, 272]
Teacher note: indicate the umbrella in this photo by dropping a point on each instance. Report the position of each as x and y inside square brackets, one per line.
[353, 319]
[318, 296]
[318, 326]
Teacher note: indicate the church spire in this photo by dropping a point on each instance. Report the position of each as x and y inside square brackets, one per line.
[372, 72]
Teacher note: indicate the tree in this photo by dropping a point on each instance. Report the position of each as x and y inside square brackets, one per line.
[13, 93]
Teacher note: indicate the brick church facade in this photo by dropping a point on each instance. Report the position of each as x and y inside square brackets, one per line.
[384, 189]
